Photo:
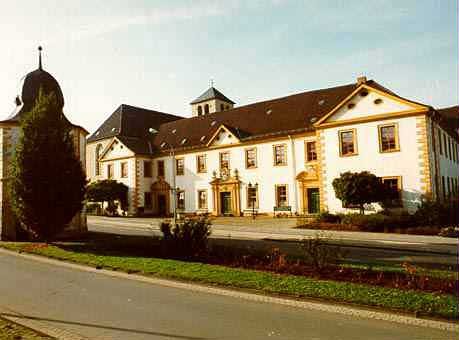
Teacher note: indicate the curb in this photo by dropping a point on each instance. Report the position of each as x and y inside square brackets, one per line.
[317, 306]
[39, 326]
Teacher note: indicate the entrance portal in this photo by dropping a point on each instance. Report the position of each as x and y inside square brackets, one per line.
[313, 200]
[162, 205]
[225, 199]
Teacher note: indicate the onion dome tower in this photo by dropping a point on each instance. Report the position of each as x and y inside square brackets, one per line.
[31, 85]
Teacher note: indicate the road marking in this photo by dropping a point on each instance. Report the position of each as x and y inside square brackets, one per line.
[318, 306]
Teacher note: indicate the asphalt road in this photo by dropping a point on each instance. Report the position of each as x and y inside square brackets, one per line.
[429, 251]
[102, 307]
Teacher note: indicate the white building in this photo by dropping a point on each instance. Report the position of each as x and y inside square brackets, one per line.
[280, 153]
[9, 135]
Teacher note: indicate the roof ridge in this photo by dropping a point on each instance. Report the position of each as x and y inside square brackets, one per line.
[217, 113]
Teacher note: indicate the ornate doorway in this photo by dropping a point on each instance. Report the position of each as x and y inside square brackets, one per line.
[161, 197]
[225, 199]
[309, 187]
[226, 195]
[313, 200]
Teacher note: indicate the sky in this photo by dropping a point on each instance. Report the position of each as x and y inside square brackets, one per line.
[161, 55]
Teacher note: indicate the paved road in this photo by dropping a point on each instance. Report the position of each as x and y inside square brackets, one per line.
[360, 246]
[102, 307]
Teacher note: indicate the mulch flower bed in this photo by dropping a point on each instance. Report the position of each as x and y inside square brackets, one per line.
[410, 278]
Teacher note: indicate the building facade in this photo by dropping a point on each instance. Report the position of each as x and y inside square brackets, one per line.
[9, 136]
[277, 155]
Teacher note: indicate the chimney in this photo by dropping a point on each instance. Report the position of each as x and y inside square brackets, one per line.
[361, 80]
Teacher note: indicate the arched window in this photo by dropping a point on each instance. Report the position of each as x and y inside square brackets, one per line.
[206, 108]
[199, 110]
[222, 107]
[96, 159]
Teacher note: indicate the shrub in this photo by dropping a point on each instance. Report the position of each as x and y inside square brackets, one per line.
[436, 213]
[319, 254]
[188, 239]
[326, 217]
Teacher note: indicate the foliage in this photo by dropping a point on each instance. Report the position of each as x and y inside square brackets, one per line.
[358, 189]
[187, 239]
[48, 181]
[320, 254]
[326, 217]
[437, 213]
[108, 191]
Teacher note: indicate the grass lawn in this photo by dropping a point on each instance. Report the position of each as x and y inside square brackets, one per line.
[12, 331]
[428, 304]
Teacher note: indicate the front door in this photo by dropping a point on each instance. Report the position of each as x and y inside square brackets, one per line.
[225, 199]
[313, 200]
[162, 205]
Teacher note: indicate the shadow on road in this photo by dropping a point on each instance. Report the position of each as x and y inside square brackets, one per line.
[127, 330]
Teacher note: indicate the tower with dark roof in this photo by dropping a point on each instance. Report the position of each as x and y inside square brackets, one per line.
[211, 101]
[34, 82]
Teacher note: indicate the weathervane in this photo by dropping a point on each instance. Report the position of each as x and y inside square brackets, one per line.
[39, 57]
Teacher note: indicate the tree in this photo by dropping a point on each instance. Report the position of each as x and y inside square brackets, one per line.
[354, 188]
[47, 179]
[108, 191]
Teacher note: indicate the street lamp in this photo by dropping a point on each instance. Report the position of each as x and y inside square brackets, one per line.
[253, 198]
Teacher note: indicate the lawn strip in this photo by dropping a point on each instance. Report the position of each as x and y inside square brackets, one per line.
[383, 267]
[444, 306]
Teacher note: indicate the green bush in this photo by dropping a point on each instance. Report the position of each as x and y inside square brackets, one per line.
[186, 240]
[326, 217]
[438, 214]
[380, 222]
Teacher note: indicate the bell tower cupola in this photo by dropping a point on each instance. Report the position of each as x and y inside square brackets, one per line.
[210, 101]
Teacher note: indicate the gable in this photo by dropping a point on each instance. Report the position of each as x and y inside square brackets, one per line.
[366, 103]
[223, 136]
[115, 150]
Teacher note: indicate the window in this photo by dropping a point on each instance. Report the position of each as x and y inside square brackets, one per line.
[281, 195]
[124, 169]
[199, 110]
[280, 154]
[181, 200]
[445, 145]
[146, 169]
[147, 202]
[109, 171]
[311, 153]
[206, 108]
[252, 197]
[96, 159]
[394, 186]
[439, 142]
[202, 199]
[347, 143]
[448, 180]
[449, 149]
[251, 158]
[180, 166]
[443, 185]
[222, 107]
[224, 161]
[201, 163]
[388, 138]
[160, 165]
